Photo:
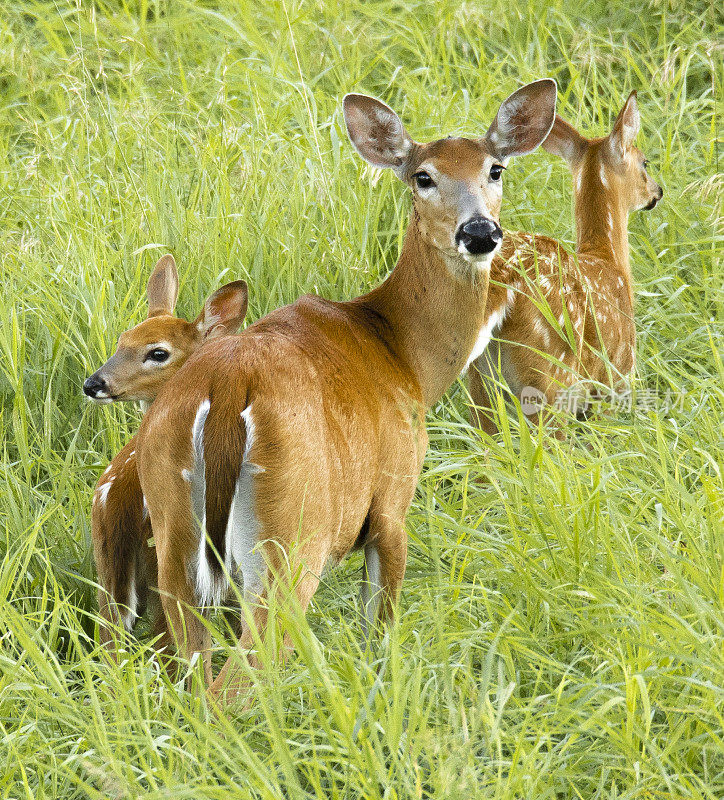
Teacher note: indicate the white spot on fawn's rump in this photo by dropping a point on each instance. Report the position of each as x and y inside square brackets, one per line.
[541, 328]
[102, 491]
[494, 321]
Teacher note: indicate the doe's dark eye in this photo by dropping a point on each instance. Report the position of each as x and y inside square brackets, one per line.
[646, 163]
[496, 172]
[158, 354]
[423, 180]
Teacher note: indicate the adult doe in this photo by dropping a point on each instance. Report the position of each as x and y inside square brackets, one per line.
[559, 318]
[271, 453]
[147, 356]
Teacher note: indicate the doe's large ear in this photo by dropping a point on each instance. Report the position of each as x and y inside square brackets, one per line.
[523, 120]
[627, 125]
[565, 141]
[162, 289]
[224, 311]
[377, 133]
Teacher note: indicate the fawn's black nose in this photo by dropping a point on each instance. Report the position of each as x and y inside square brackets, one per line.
[655, 199]
[95, 387]
[479, 235]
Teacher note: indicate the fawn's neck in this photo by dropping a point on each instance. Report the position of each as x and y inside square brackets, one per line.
[601, 217]
[435, 309]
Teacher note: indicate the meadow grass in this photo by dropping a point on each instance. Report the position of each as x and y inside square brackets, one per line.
[561, 631]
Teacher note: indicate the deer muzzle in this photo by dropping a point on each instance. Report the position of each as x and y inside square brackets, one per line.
[478, 236]
[96, 387]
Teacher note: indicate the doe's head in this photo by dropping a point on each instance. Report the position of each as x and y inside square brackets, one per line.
[154, 350]
[613, 161]
[456, 182]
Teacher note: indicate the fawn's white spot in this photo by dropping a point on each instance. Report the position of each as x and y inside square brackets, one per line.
[102, 491]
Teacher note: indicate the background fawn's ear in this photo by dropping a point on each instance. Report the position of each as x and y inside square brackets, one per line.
[224, 311]
[565, 141]
[376, 132]
[627, 125]
[523, 120]
[162, 289]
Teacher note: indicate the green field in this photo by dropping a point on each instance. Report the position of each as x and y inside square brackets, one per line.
[561, 632]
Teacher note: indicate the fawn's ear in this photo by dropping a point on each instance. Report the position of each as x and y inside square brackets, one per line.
[627, 125]
[224, 311]
[376, 132]
[162, 289]
[523, 120]
[565, 141]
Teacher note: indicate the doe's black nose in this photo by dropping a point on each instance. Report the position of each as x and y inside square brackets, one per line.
[94, 385]
[479, 235]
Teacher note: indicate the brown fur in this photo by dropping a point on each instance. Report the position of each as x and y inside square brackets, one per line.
[337, 391]
[592, 289]
[121, 533]
[120, 527]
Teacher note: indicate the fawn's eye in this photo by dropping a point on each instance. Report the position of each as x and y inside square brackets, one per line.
[423, 180]
[158, 354]
[496, 172]
[646, 163]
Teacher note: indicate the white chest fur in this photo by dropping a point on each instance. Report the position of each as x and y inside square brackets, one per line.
[492, 323]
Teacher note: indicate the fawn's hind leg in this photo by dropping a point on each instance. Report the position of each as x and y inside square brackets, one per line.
[480, 384]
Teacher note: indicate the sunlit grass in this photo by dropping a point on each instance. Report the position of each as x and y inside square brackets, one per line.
[561, 631]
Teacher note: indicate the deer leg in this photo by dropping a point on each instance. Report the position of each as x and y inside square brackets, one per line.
[109, 624]
[116, 616]
[178, 599]
[481, 411]
[233, 680]
[385, 551]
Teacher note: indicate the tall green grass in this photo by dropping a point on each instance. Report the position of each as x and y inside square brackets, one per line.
[561, 631]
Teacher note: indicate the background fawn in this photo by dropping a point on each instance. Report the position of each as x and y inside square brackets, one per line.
[557, 318]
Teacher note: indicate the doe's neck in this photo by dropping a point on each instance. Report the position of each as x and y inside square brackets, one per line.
[434, 309]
